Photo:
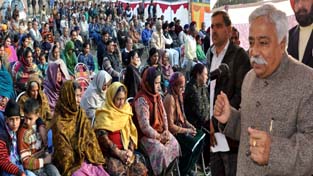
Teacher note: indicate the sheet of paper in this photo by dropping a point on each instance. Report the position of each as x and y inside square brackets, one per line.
[222, 145]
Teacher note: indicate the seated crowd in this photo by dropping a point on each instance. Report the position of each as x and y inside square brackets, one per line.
[65, 110]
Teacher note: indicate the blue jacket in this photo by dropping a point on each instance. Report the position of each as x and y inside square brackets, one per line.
[146, 36]
[88, 60]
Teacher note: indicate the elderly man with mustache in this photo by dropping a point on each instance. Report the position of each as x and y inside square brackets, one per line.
[275, 119]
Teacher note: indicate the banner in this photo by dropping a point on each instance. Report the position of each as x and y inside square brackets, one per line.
[198, 13]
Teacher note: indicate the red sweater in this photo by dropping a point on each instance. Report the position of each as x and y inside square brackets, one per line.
[30, 143]
[5, 163]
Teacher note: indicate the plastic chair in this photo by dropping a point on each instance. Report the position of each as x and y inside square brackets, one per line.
[122, 75]
[19, 96]
[83, 82]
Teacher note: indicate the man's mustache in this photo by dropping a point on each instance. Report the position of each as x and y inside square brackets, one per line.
[302, 11]
[258, 60]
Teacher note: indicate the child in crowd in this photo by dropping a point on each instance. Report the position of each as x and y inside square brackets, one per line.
[200, 54]
[33, 155]
[43, 64]
[10, 163]
[167, 70]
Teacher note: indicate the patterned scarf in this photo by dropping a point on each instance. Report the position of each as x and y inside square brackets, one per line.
[176, 81]
[73, 138]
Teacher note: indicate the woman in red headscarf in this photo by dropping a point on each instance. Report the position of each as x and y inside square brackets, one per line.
[157, 142]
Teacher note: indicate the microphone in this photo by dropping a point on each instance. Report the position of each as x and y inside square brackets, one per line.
[222, 70]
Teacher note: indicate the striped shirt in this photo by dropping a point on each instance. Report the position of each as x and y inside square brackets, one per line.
[5, 163]
[30, 142]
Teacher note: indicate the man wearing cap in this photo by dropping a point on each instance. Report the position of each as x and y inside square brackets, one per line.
[183, 34]
[300, 44]
[79, 37]
[10, 163]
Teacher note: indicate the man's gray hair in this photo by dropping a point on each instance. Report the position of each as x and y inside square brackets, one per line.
[277, 17]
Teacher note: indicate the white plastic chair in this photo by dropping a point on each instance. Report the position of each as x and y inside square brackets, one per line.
[122, 75]
[19, 96]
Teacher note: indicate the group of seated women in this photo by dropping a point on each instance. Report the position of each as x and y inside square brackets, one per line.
[101, 133]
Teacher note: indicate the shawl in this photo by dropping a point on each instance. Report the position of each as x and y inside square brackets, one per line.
[44, 111]
[177, 80]
[69, 59]
[111, 118]
[60, 62]
[51, 86]
[12, 57]
[132, 80]
[6, 83]
[73, 138]
[147, 92]
[94, 96]
[99, 80]
[24, 72]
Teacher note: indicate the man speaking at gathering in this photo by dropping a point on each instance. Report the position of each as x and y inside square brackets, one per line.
[275, 121]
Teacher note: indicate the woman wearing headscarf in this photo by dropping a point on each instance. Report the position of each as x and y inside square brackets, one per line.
[6, 82]
[178, 125]
[117, 134]
[9, 49]
[24, 69]
[77, 151]
[54, 57]
[158, 143]
[6, 88]
[34, 91]
[69, 57]
[132, 76]
[52, 84]
[94, 95]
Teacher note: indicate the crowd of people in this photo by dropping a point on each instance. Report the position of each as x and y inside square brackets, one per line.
[145, 103]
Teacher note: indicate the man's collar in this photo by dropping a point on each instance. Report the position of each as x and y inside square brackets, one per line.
[213, 49]
[306, 27]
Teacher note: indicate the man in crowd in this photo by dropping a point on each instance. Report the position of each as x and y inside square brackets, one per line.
[78, 44]
[64, 38]
[34, 32]
[225, 51]
[235, 36]
[300, 45]
[146, 34]
[275, 122]
[101, 47]
[127, 50]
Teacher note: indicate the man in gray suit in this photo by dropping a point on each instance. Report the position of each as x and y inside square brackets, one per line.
[275, 121]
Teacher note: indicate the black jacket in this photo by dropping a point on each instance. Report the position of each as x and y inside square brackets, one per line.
[238, 62]
[293, 46]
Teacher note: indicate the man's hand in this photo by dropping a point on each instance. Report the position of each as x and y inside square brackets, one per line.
[260, 143]
[222, 108]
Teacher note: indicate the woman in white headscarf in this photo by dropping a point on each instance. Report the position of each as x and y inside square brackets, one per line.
[54, 57]
[94, 95]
